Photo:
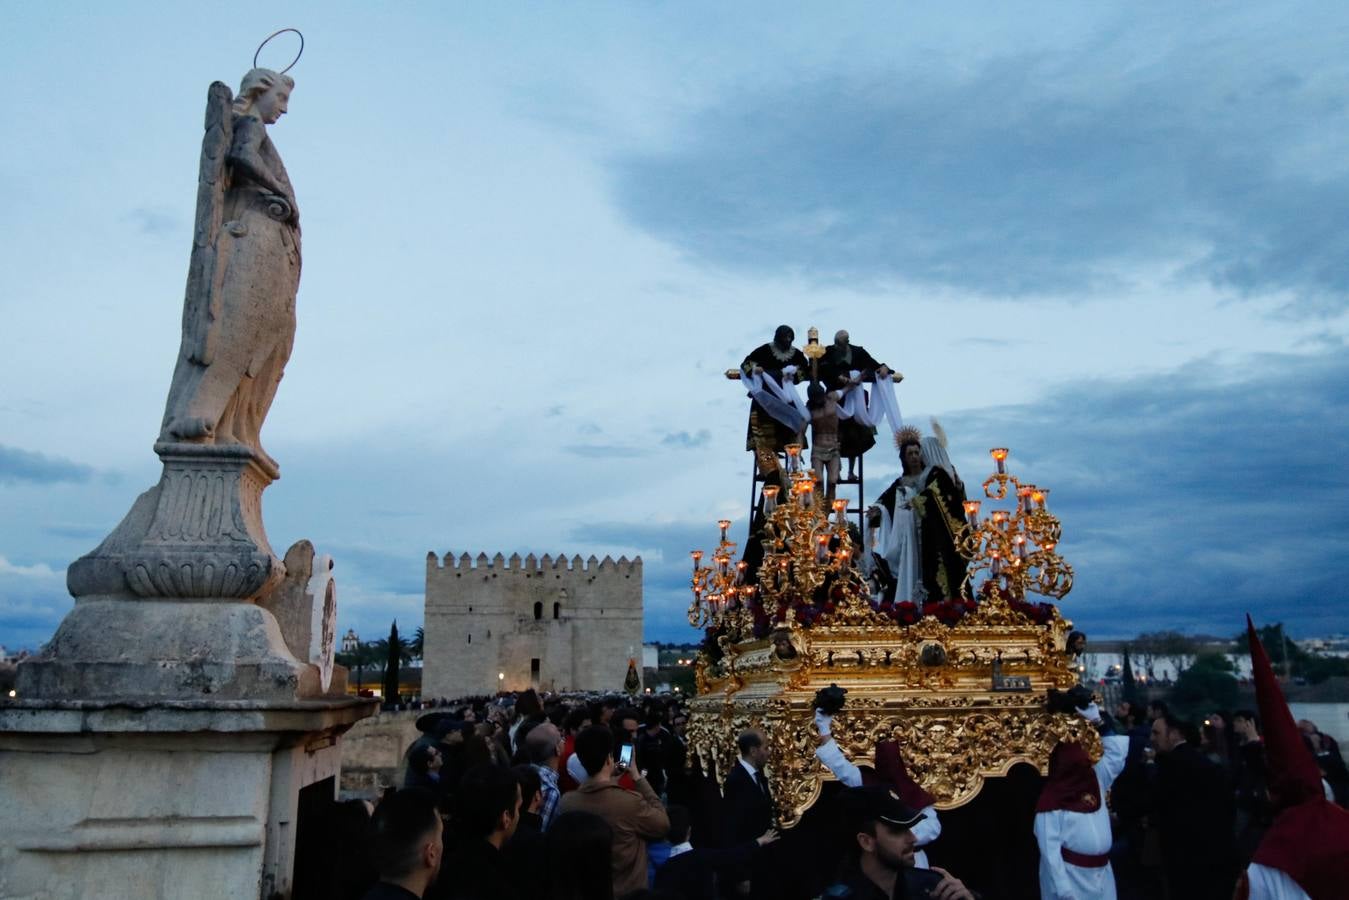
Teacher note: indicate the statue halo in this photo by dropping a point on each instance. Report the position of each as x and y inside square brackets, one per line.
[268, 39]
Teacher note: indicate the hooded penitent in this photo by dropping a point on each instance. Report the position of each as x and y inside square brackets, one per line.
[891, 772]
[1309, 840]
[1072, 784]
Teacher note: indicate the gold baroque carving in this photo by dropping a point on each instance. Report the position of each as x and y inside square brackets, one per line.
[955, 729]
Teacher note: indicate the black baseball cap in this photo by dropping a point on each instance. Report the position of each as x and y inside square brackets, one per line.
[878, 804]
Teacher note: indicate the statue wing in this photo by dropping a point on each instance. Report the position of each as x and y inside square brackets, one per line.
[201, 306]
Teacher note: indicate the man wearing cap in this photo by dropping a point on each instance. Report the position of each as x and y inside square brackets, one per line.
[890, 772]
[881, 866]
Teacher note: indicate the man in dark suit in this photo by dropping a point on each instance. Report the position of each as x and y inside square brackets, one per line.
[746, 801]
[405, 840]
[692, 872]
[1195, 812]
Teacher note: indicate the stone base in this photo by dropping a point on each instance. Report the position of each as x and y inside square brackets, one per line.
[111, 649]
[171, 799]
[198, 534]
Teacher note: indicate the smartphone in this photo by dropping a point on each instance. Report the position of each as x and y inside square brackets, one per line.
[625, 756]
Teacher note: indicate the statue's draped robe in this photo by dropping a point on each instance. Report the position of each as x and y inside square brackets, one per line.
[239, 323]
[854, 438]
[767, 436]
[919, 518]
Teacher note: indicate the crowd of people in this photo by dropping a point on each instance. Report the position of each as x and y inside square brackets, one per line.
[590, 798]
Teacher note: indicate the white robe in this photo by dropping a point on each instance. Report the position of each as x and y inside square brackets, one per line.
[924, 833]
[1082, 832]
[1272, 884]
[897, 544]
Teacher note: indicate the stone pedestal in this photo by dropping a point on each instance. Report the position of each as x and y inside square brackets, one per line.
[164, 799]
[168, 604]
[161, 740]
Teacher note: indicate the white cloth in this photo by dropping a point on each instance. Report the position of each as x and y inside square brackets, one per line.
[1272, 884]
[1083, 833]
[782, 401]
[576, 770]
[897, 544]
[924, 833]
[885, 405]
[678, 849]
[855, 404]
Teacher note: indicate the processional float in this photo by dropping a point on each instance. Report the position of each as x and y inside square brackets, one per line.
[961, 682]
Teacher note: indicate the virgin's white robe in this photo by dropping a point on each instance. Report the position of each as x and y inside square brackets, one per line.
[1083, 832]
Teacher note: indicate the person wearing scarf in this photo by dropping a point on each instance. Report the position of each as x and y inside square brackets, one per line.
[1305, 852]
[890, 772]
[1072, 825]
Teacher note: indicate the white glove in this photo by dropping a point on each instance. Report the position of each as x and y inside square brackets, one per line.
[1092, 713]
[823, 722]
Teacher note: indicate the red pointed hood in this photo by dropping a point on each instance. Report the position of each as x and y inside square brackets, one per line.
[1294, 775]
[891, 773]
[1309, 839]
[1072, 784]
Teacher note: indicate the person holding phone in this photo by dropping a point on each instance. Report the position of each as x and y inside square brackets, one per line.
[635, 816]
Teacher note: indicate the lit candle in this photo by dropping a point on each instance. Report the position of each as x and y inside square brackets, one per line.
[972, 512]
[770, 498]
[1024, 492]
[822, 549]
[1000, 457]
[1021, 546]
[1040, 496]
[724, 525]
[840, 510]
[740, 568]
[697, 556]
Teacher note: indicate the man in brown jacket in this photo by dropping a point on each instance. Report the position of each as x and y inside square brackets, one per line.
[635, 816]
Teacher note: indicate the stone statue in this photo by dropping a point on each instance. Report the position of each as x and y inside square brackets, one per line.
[239, 309]
[194, 544]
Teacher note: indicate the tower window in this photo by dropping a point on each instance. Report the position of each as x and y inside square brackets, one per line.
[538, 610]
[557, 610]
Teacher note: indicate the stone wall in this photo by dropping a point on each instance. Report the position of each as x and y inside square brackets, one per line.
[372, 753]
[557, 624]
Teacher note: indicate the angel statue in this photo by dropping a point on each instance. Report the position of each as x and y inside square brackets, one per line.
[239, 310]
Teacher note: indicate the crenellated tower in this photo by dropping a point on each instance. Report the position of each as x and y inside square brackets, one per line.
[555, 623]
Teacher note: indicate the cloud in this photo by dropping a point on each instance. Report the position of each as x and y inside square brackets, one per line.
[37, 570]
[685, 441]
[1037, 173]
[605, 451]
[155, 221]
[78, 532]
[26, 466]
[1192, 497]
[33, 600]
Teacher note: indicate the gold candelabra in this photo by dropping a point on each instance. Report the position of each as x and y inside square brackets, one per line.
[803, 547]
[1017, 546]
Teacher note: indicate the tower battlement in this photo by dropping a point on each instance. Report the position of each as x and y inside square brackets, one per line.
[465, 562]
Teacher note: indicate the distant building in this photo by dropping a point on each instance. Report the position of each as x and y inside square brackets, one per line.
[650, 656]
[553, 624]
[350, 642]
[1104, 661]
